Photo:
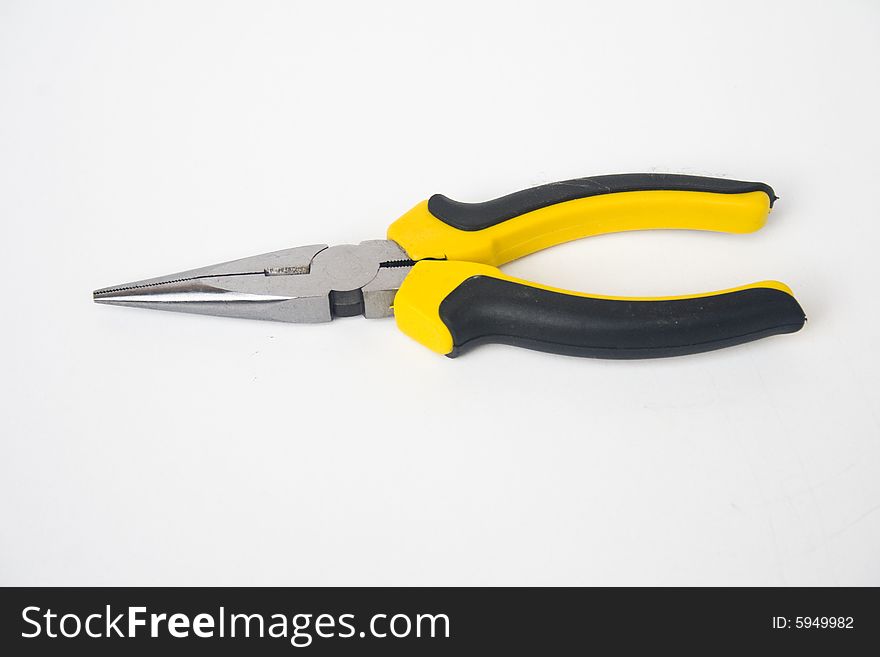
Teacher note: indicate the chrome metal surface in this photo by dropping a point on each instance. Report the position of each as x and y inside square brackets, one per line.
[305, 284]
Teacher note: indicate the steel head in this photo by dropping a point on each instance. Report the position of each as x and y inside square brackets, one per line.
[306, 284]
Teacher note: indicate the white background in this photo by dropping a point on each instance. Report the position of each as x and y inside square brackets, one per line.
[143, 138]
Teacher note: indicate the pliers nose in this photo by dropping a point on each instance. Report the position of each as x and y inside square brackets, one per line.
[305, 284]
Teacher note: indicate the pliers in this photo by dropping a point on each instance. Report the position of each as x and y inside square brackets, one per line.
[437, 273]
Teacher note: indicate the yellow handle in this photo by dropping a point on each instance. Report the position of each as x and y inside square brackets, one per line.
[417, 304]
[422, 235]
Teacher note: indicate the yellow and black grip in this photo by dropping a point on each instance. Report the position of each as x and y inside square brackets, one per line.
[453, 306]
[498, 231]
[455, 297]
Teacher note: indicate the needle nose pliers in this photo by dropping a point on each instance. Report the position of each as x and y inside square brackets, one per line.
[437, 273]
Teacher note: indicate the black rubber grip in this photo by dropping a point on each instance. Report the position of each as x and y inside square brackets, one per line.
[477, 216]
[484, 309]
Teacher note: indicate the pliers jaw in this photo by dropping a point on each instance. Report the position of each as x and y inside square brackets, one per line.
[307, 284]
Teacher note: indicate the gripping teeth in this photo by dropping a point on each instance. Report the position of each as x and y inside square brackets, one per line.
[397, 263]
[113, 290]
[140, 286]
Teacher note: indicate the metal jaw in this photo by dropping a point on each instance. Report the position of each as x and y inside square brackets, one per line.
[306, 284]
